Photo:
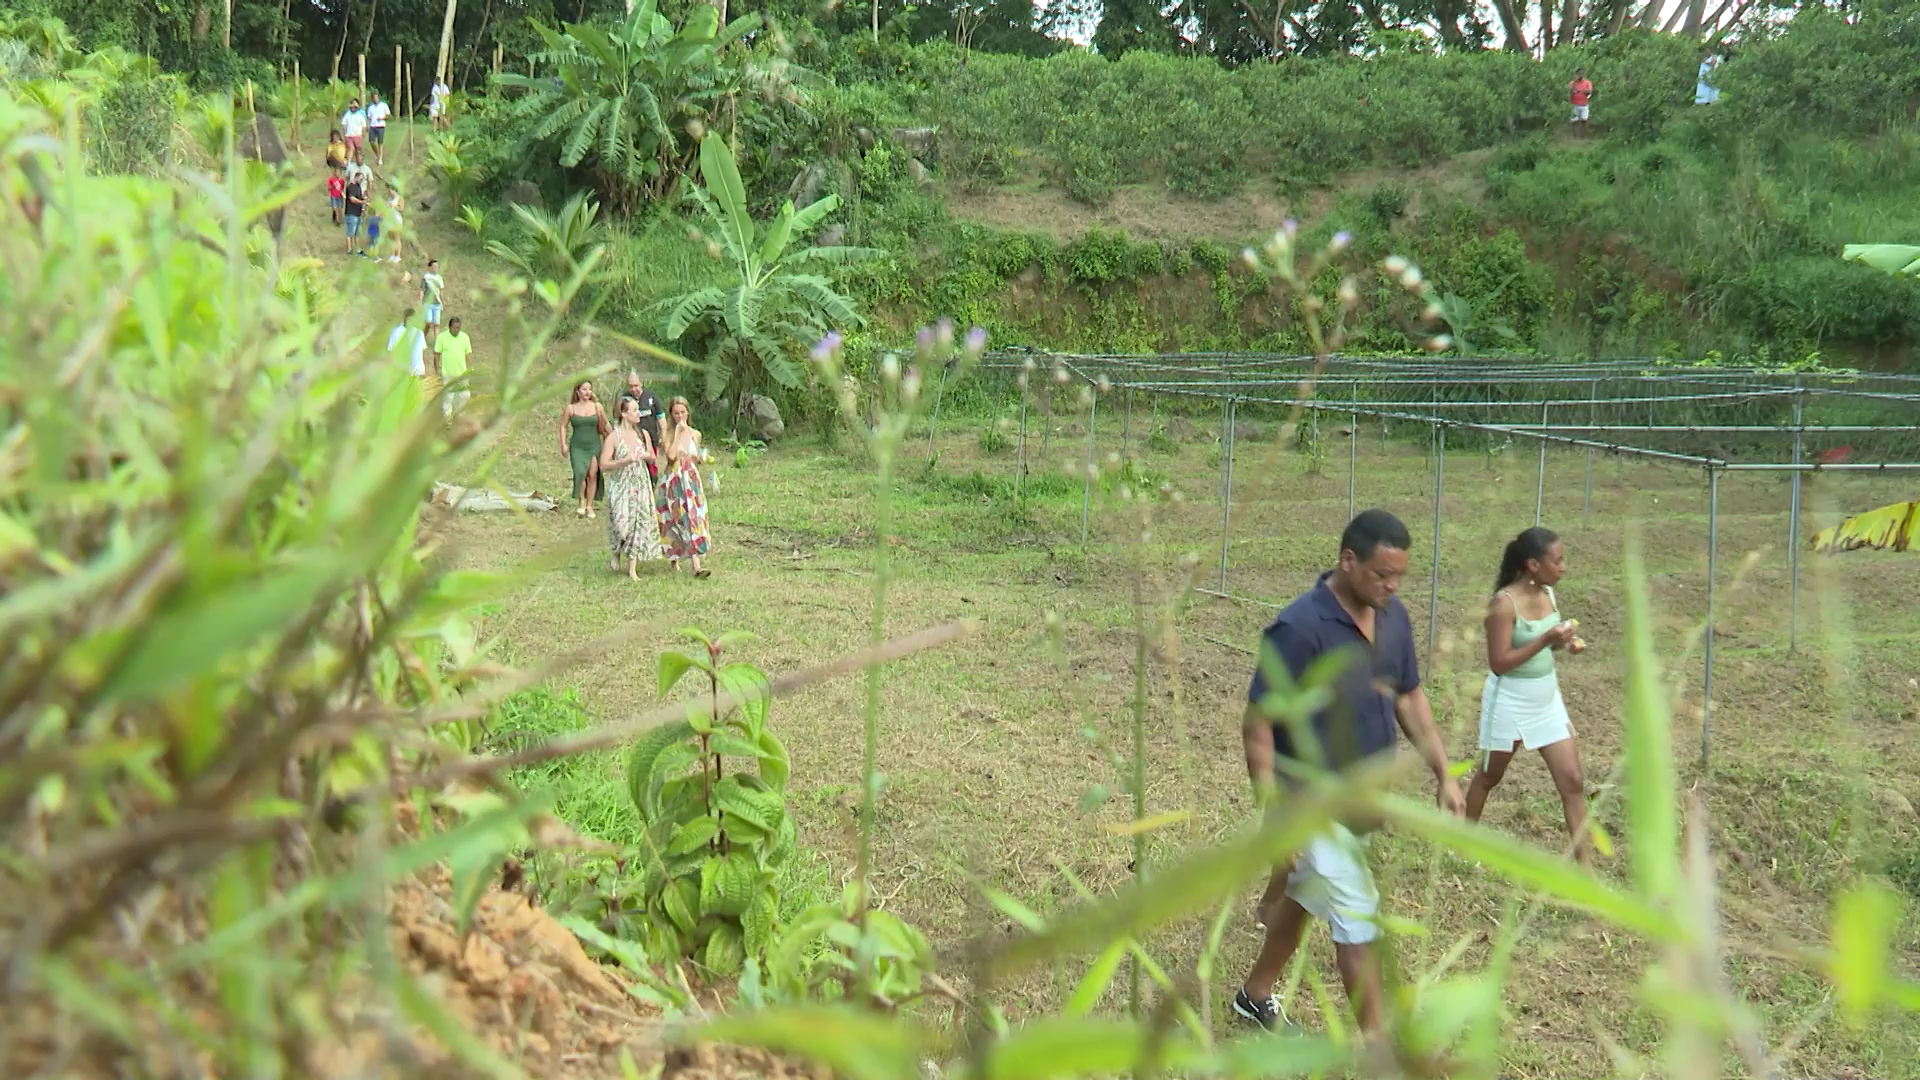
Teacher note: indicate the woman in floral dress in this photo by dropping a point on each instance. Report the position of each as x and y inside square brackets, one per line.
[682, 505]
[633, 530]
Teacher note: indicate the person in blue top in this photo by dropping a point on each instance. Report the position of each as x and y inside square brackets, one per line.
[1352, 610]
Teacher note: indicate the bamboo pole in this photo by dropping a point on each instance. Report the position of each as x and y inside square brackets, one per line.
[397, 67]
[295, 122]
[363, 80]
[499, 55]
[411, 155]
[250, 96]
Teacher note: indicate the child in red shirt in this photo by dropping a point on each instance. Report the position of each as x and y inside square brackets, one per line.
[337, 194]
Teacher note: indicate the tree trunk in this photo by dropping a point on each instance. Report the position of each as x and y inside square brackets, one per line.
[373, 16]
[1510, 22]
[876, 22]
[1621, 9]
[1696, 11]
[1546, 26]
[1569, 21]
[1650, 15]
[446, 41]
[226, 28]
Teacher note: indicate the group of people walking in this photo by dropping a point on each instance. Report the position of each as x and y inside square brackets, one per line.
[648, 462]
[1353, 611]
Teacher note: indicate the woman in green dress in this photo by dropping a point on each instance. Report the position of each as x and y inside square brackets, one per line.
[582, 425]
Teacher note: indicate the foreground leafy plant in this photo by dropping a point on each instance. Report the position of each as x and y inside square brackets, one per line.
[715, 840]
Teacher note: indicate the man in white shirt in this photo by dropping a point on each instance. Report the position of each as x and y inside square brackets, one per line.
[437, 103]
[416, 345]
[353, 126]
[377, 114]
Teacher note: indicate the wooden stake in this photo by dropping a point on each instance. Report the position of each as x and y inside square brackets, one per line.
[295, 124]
[499, 54]
[250, 95]
[363, 80]
[396, 78]
[411, 156]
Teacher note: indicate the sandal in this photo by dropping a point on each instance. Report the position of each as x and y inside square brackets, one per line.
[703, 572]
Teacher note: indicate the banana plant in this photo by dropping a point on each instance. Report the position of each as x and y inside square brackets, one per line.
[756, 329]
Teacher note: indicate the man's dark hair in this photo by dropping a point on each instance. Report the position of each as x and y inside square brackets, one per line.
[1374, 529]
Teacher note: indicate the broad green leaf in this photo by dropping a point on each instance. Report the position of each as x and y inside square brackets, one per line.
[852, 1043]
[722, 179]
[1653, 823]
[186, 642]
[1198, 882]
[733, 639]
[1273, 1057]
[1080, 1046]
[775, 766]
[1862, 944]
[673, 666]
[693, 836]
[1093, 985]
[681, 899]
[1562, 880]
[725, 951]
[1901, 259]
[1148, 824]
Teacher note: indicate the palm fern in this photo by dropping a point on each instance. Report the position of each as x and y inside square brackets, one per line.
[555, 244]
[756, 328]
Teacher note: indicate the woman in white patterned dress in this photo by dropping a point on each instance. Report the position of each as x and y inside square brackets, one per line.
[633, 531]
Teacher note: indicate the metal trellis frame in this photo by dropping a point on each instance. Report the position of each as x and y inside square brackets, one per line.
[1514, 398]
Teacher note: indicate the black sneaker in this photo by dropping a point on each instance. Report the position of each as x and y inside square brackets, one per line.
[1263, 1011]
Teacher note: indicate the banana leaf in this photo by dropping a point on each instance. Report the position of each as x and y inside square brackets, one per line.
[1889, 528]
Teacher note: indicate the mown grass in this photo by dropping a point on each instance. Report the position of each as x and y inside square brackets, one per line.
[986, 749]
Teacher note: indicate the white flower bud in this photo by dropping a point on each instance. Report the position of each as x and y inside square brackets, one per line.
[890, 369]
[1060, 376]
[1349, 293]
[1411, 279]
[910, 386]
[1395, 265]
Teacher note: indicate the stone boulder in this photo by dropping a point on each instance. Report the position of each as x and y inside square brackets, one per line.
[524, 193]
[763, 418]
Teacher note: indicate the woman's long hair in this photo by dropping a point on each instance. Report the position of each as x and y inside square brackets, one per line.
[1532, 543]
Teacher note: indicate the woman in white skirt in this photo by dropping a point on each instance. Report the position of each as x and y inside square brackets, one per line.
[1521, 703]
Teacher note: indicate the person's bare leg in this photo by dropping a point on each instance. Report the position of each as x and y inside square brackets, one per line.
[1563, 761]
[1492, 770]
[1360, 971]
[1286, 927]
[1264, 912]
[633, 568]
[592, 485]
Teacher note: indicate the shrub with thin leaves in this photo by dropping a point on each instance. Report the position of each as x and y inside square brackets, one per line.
[224, 628]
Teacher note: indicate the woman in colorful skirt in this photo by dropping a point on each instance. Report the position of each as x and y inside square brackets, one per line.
[1521, 703]
[682, 505]
[633, 530]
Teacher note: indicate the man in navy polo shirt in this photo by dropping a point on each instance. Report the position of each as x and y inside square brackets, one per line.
[1353, 610]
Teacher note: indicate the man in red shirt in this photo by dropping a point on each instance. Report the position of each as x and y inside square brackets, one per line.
[1581, 90]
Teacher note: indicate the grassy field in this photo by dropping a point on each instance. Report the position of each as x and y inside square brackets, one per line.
[989, 747]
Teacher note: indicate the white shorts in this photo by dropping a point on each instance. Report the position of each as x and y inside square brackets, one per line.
[454, 400]
[1580, 114]
[1331, 881]
[1526, 711]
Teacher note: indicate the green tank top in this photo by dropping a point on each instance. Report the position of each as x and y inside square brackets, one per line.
[1525, 631]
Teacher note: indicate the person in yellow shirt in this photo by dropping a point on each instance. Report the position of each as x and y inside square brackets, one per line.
[454, 348]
